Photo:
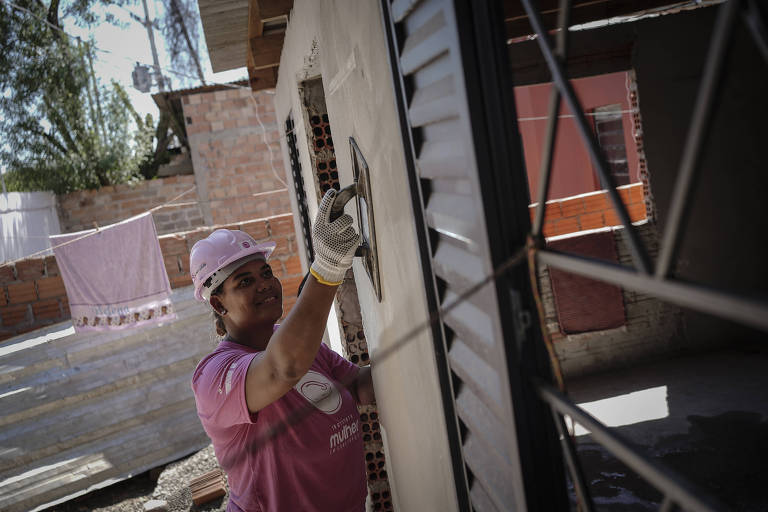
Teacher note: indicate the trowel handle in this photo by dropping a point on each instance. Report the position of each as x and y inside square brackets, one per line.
[342, 198]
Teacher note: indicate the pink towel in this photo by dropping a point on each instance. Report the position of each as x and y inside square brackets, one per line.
[116, 278]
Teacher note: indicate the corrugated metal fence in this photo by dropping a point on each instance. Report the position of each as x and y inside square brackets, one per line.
[81, 411]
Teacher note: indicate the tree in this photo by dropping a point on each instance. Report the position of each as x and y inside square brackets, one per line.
[62, 131]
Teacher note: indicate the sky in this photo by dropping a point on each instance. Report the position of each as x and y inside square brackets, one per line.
[120, 49]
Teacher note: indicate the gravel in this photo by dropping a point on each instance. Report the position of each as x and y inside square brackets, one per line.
[171, 486]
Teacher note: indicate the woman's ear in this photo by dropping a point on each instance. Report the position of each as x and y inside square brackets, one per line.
[217, 305]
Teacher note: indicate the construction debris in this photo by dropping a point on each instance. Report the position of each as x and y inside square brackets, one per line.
[156, 506]
[207, 487]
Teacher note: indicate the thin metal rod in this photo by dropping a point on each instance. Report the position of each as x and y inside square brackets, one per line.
[686, 176]
[636, 247]
[719, 303]
[754, 20]
[545, 172]
[671, 484]
[574, 466]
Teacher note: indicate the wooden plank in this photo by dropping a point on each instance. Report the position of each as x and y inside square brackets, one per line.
[269, 9]
[122, 395]
[266, 49]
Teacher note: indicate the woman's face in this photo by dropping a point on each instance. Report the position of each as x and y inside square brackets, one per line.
[252, 295]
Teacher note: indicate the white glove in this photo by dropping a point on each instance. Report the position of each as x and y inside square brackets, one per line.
[334, 243]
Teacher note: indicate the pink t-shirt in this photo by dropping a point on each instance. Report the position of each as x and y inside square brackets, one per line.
[316, 464]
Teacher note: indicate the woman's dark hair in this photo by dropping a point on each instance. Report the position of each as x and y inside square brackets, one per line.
[218, 320]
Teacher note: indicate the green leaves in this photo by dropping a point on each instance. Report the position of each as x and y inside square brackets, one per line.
[62, 130]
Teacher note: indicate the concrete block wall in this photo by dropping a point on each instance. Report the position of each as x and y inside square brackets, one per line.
[32, 293]
[107, 205]
[591, 211]
[236, 177]
[652, 327]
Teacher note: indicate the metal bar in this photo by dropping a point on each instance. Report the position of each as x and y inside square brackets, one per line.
[671, 484]
[636, 247]
[752, 312]
[574, 466]
[756, 24]
[679, 207]
[545, 172]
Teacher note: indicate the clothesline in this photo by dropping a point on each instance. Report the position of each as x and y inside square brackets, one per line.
[169, 205]
[97, 230]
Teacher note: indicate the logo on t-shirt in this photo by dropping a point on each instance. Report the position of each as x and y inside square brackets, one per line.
[320, 392]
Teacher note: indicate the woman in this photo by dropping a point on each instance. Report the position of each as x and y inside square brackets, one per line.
[272, 400]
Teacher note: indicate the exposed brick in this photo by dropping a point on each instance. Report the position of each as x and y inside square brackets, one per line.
[29, 270]
[283, 247]
[46, 309]
[592, 220]
[22, 292]
[173, 245]
[49, 287]
[291, 285]
[624, 194]
[281, 226]
[184, 262]
[552, 210]
[180, 280]
[562, 227]
[611, 219]
[596, 203]
[14, 315]
[637, 211]
[6, 274]
[194, 236]
[258, 229]
[3, 298]
[572, 207]
[51, 266]
[293, 265]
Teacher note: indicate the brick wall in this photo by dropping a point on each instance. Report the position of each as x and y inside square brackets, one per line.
[227, 130]
[652, 327]
[32, 292]
[107, 205]
[590, 211]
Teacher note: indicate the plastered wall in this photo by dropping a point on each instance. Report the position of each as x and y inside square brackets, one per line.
[344, 43]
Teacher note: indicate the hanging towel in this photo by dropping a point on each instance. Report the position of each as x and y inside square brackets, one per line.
[115, 278]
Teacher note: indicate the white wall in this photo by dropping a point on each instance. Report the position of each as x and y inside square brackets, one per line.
[26, 220]
[343, 41]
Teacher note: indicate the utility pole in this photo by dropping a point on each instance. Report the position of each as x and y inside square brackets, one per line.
[150, 26]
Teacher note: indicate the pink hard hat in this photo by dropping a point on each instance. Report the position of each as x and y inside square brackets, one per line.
[214, 258]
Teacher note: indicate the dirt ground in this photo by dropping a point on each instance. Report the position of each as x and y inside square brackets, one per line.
[168, 483]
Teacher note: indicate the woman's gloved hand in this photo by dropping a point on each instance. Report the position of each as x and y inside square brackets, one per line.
[334, 243]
